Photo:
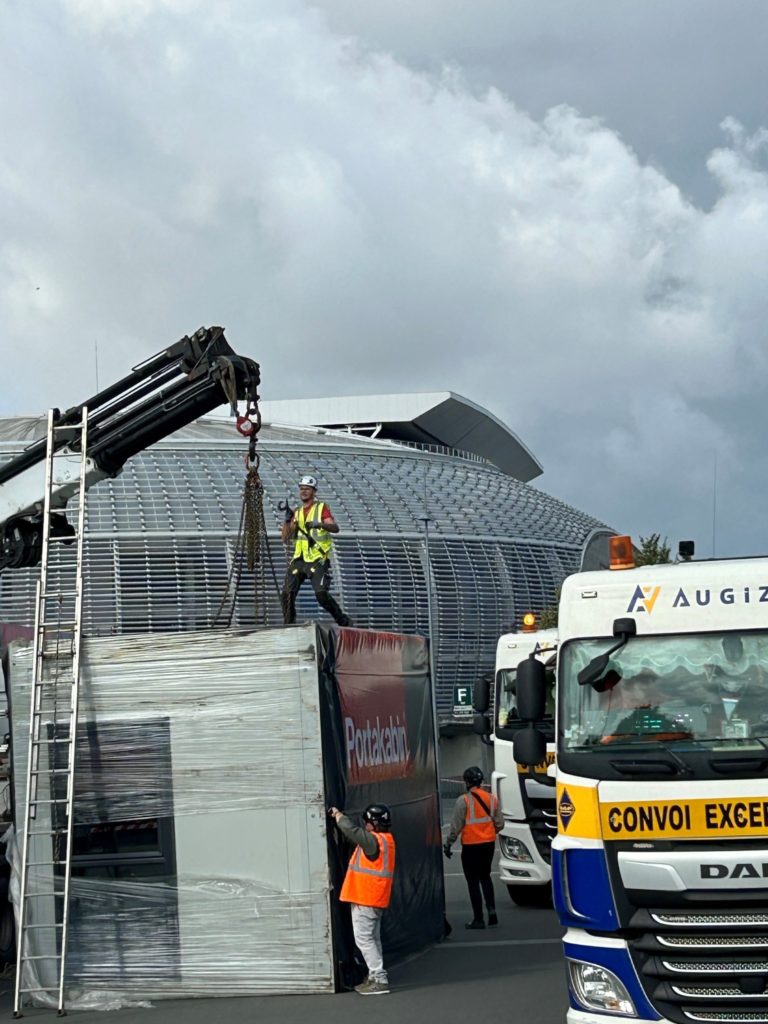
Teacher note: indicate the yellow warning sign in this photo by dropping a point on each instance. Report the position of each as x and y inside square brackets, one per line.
[577, 811]
[579, 814]
[693, 819]
[539, 769]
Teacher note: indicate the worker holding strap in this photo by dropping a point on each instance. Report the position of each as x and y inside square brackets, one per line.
[311, 527]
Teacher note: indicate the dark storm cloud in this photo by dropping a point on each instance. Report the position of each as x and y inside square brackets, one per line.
[663, 75]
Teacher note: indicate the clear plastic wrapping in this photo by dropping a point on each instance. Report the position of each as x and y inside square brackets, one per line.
[200, 858]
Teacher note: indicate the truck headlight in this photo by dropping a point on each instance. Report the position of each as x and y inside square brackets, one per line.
[513, 849]
[599, 989]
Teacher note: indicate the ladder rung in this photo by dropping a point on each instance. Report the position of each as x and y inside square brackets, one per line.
[40, 895]
[46, 743]
[60, 800]
[40, 988]
[51, 925]
[50, 771]
[48, 832]
[44, 864]
[41, 956]
[57, 624]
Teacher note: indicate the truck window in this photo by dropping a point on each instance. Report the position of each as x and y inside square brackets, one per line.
[709, 689]
[506, 711]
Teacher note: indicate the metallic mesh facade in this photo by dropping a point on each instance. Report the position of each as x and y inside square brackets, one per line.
[161, 539]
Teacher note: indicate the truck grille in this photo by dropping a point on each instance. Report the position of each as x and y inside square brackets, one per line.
[682, 920]
[737, 1018]
[713, 941]
[705, 966]
[543, 821]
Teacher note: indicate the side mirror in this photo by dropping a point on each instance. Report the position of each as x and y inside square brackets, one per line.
[530, 747]
[481, 694]
[531, 690]
[481, 724]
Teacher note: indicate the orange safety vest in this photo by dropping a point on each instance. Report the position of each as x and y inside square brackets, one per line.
[369, 882]
[479, 826]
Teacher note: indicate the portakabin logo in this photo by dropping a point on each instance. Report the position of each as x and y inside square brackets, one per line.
[643, 599]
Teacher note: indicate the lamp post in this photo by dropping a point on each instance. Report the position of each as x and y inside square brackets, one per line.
[426, 520]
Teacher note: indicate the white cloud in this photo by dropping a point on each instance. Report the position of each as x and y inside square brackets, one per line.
[360, 226]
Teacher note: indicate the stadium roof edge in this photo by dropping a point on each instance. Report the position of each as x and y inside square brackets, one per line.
[432, 417]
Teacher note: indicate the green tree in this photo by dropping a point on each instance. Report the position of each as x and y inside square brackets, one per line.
[652, 551]
[548, 618]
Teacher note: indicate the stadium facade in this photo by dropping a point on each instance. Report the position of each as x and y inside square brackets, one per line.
[431, 528]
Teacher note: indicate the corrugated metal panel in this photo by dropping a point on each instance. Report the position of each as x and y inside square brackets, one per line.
[161, 540]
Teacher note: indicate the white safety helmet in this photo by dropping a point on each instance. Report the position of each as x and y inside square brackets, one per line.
[308, 481]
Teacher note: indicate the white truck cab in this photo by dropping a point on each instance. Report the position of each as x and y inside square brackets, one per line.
[660, 864]
[526, 799]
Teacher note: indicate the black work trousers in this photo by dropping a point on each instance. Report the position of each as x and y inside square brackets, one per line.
[319, 575]
[476, 861]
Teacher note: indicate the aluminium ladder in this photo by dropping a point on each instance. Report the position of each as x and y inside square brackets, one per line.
[48, 826]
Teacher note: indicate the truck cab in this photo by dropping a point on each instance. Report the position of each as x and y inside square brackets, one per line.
[660, 863]
[526, 798]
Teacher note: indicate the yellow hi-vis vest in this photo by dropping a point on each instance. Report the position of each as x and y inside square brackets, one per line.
[321, 549]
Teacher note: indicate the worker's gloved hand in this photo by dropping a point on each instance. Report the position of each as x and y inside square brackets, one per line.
[314, 524]
[447, 850]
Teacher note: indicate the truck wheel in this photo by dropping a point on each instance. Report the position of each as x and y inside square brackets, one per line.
[531, 895]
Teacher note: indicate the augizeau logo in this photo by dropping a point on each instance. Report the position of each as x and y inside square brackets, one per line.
[644, 598]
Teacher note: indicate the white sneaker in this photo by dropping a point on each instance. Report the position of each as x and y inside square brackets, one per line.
[371, 987]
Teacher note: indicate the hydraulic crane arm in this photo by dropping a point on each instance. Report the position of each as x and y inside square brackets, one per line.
[159, 396]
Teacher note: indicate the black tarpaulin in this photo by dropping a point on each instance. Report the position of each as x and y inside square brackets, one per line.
[379, 747]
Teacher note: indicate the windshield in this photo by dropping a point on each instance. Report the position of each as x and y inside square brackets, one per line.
[707, 689]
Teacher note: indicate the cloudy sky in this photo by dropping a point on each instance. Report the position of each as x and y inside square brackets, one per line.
[559, 210]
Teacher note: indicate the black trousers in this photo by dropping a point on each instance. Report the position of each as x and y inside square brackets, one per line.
[319, 575]
[476, 861]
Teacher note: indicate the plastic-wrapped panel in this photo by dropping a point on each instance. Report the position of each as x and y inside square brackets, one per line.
[200, 852]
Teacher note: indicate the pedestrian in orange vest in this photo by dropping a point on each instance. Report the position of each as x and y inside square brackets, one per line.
[477, 819]
[368, 887]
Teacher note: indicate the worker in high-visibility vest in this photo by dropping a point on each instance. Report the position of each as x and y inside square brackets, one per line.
[368, 887]
[477, 819]
[311, 527]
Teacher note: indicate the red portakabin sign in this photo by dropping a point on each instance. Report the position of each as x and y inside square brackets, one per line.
[369, 674]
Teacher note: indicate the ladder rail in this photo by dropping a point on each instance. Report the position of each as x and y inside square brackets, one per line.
[32, 776]
[75, 702]
[33, 752]
[65, 650]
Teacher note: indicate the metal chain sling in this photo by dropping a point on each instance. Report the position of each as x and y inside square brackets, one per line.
[252, 543]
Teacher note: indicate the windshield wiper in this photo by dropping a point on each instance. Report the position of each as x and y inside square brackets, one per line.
[756, 762]
[650, 765]
[622, 628]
